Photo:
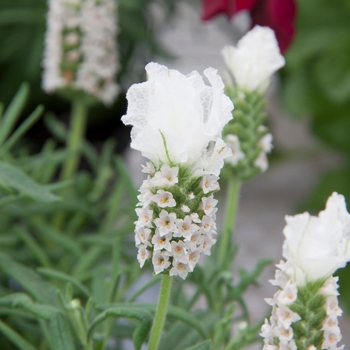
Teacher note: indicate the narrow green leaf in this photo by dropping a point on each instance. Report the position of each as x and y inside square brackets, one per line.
[57, 128]
[90, 154]
[58, 237]
[8, 239]
[247, 279]
[173, 311]
[22, 129]
[87, 260]
[188, 318]
[126, 178]
[38, 310]
[149, 284]
[13, 111]
[140, 333]
[15, 338]
[9, 199]
[18, 180]
[29, 280]
[66, 278]
[60, 334]
[200, 346]
[33, 246]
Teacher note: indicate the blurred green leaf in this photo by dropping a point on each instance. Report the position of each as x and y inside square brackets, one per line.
[173, 311]
[140, 333]
[201, 346]
[21, 130]
[66, 278]
[316, 79]
[18, 180]
[24, 301]
[60, 335]
[29, 280]
[15, 338]
[13, 112]
[33, 246]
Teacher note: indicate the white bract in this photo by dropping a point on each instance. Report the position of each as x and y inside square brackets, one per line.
[255, 58]
[318, 246]
[175, 117]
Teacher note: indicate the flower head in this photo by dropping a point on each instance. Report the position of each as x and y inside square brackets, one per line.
[255, 58]
[319, 245]
[307, 297]
[177, 122]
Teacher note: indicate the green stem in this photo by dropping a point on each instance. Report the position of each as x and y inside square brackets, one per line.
[159, 317]
[229, 219]
[75, 137]
[74, 142]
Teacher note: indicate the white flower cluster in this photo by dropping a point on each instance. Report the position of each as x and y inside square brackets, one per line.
[254, 60]
[315, 247]
[80, 47]
[175, 227]
[278, 332]
[177, 123]
[332, 334]
[261, 162]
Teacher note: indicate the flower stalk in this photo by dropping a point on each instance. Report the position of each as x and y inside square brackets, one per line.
[75, 138]
[231, 207]
[160, 315]
[74, 142]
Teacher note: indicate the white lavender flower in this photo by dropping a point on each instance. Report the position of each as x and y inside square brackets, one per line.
[305, 308]
[80, 48]
[254, 60]
[177, 122]
[251, 64]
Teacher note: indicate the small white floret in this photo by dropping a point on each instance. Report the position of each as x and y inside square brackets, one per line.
[164, 199]
[180, 269]
[160, 262]
[166, 223]
[143, 254]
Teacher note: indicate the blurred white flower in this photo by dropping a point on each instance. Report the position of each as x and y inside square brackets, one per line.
[318, 246]
[80, 48]
[233, 142]
[255, 58]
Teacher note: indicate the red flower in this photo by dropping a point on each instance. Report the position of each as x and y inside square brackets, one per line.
[276, 14]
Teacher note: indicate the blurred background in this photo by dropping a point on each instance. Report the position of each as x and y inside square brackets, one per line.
[308, 103]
